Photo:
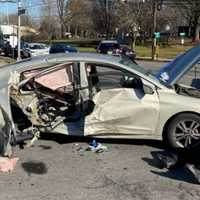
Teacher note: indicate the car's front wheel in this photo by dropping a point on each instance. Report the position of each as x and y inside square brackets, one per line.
[183, 131]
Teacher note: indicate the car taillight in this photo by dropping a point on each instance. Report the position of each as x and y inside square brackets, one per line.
[118, 51]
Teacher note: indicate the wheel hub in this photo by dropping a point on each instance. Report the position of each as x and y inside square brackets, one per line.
[187, 133]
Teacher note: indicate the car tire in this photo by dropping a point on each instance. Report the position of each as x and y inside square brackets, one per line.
[183, 131]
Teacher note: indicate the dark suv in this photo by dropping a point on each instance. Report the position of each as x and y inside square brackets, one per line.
[112, 47]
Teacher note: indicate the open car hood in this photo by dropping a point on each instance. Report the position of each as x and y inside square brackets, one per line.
[170, 73]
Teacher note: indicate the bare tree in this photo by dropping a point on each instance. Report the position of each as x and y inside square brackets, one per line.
[49, 25]
[135, 17]
[190, 11]
[61, 5]
[104, 16]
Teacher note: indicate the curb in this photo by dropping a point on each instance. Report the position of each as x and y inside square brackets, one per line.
[157, 60]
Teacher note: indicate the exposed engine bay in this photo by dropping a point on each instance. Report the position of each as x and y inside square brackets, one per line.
[187, 90]
[189, 84]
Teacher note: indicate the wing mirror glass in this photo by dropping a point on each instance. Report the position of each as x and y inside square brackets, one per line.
[135, 83]
[148, 89]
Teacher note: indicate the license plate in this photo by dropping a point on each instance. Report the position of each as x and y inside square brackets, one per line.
[109, 52]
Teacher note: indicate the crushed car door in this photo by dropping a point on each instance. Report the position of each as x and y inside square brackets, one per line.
[122, 107]
[5, 134]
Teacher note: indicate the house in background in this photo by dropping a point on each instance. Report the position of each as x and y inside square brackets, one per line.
[9, 33]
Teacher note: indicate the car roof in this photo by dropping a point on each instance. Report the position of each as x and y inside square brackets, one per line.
[109, 41]
[60, 43]
[84, 57]
[32, 62]
[64, 57]
[36, 43]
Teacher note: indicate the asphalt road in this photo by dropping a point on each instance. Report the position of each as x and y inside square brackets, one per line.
[152, 65]
[55, 169]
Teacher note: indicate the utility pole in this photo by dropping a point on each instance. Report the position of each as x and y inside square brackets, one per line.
[154, 19]
[19, 32]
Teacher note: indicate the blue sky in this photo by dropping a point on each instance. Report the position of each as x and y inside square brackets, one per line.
[12, 8]
[33, 8]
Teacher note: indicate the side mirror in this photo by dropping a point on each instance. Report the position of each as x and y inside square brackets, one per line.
[136, 83]
[147, 89]
[131, 82]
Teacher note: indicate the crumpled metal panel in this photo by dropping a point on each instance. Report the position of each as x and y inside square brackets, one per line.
[5, 134]
[123, 111]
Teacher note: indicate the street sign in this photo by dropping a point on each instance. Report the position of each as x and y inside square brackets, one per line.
[21, 11]
[182, 34]
[157, 35]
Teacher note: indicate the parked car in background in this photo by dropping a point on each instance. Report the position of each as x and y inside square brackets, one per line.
[2, 44]
[13, 52]
[38, 49]
[128, 52]
[62, 48]
[112, 47]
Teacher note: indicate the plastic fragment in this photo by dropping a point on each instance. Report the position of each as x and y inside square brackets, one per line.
[168, 161]
[97, 147]
[93, 146]
[194, 171]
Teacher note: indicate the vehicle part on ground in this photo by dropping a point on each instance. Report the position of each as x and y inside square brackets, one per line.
[7, 164]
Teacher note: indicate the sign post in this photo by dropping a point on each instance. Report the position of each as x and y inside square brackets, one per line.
[182, 35]
[155, 45]
[21, 11]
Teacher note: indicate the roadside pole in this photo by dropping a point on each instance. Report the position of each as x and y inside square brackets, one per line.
[19, 32]
[154, 15]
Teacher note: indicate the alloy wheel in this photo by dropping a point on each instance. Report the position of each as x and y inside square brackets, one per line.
[187, 133]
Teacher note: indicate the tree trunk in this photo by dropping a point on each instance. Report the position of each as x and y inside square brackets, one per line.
[196, 35]
[133, 40]
[76, 32]
[62, 30]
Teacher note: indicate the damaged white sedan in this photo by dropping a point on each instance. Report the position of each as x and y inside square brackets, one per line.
[100, 96]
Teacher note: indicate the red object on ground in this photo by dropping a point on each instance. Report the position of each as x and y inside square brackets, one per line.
[7, 164]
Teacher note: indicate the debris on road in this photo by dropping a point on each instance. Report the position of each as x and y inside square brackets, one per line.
[94, 146]
[194, 171]
[7, 164]
[181, 160]
[168, 161]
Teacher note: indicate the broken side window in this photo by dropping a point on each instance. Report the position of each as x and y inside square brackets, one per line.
[107, 77]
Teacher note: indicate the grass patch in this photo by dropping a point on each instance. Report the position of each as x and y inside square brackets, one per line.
[86, 49]
[164, 52]
[168, 51]
[145, 51]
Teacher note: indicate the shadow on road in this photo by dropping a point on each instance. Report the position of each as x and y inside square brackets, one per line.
[176, 164]
[63, 139]
[34, 167]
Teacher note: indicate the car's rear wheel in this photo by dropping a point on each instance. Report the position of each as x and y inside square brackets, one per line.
[183, 131]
